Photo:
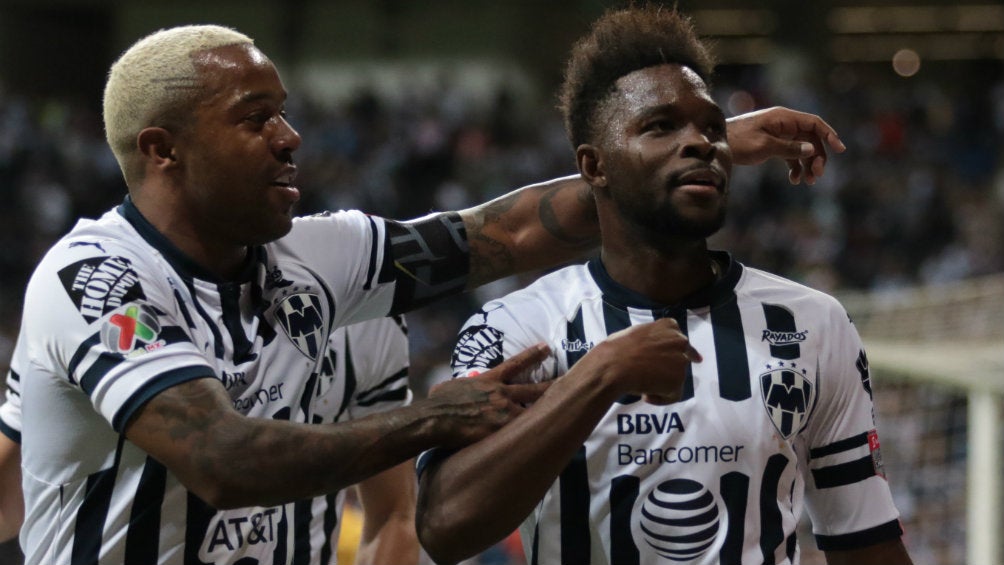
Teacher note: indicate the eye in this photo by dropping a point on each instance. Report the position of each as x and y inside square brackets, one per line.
[660, 125]
[717, 128]
[258, 118]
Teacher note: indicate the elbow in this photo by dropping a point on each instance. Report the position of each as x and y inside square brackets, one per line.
[226, 487]
[230, 471]
[220, 493]
[438, 546]
[440, 533]
[9, 528]
[11, 518]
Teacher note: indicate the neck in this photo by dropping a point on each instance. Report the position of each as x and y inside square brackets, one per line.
[216, 255]
[666, 275]
[224, 261]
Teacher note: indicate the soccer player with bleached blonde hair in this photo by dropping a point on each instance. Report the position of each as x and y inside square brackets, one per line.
[156, 83]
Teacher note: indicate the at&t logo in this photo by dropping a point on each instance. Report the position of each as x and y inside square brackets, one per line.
[679, 520]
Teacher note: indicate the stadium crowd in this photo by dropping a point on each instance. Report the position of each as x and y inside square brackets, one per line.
[917, 198]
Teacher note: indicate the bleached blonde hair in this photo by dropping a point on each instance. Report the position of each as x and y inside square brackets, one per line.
[154, 80]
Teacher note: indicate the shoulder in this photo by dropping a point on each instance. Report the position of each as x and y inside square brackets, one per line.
[389, 331]
[538, 312]
[767, 287]
[341, 220]
[558, 295]
[110, 235]
[99, 264]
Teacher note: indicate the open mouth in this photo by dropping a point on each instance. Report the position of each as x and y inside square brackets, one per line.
[701, 179]
[285, 184]
[286, 179]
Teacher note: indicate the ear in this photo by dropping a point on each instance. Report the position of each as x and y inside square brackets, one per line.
[156, 146]
[591, 166]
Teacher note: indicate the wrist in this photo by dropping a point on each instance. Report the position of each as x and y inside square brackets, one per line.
[432, 420]
[599, 372]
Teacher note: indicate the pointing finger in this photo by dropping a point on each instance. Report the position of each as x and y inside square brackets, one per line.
[694, 355]
[518, 365]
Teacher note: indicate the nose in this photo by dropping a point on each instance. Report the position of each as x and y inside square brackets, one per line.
[695, 142]
[286, 139]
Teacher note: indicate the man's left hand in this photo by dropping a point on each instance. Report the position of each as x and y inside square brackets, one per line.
[801, 139]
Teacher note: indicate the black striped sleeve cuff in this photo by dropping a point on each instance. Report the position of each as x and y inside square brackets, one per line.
[864, 538]
[154, 387]
[10, 432]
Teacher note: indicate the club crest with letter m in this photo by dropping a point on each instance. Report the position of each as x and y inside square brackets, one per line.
[300, 317]
[788, 396]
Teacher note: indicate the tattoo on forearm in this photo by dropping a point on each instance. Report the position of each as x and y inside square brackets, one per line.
[490, 258]
[549, 219]
[490, 231]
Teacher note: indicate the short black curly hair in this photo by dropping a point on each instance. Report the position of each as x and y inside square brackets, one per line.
[620, 42]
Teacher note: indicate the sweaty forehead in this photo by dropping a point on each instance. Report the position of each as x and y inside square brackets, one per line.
[236, 72]
[660, 84]
[238, 57]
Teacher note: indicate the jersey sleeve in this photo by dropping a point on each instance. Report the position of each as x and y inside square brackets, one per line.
[378, 267]
[377, 353]
[10, 411]
[847, 496]
[488, 338]
[494, 334]
[103, 318]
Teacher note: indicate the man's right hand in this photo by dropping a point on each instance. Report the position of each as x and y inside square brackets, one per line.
[646, 359]
[476, 406]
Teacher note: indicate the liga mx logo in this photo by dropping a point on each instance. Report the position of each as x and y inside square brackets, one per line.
[130, 327]
[789, 398]
[680, 520]
[300, 317]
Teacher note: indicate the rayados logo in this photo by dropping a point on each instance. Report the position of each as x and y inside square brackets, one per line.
[784, 338]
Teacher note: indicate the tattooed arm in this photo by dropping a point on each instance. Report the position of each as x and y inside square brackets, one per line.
[546, 224]
[536, 226]
[233, 461]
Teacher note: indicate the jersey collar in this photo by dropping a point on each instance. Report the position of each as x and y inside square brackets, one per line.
[720, 292]
[181, 263]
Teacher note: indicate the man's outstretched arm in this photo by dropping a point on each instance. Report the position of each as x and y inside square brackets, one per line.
[800, 139]
[550, 223]
[232, 461]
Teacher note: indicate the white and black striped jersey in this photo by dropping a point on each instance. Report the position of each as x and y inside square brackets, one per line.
[365, 371]
[778, 413]
[115, 314]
